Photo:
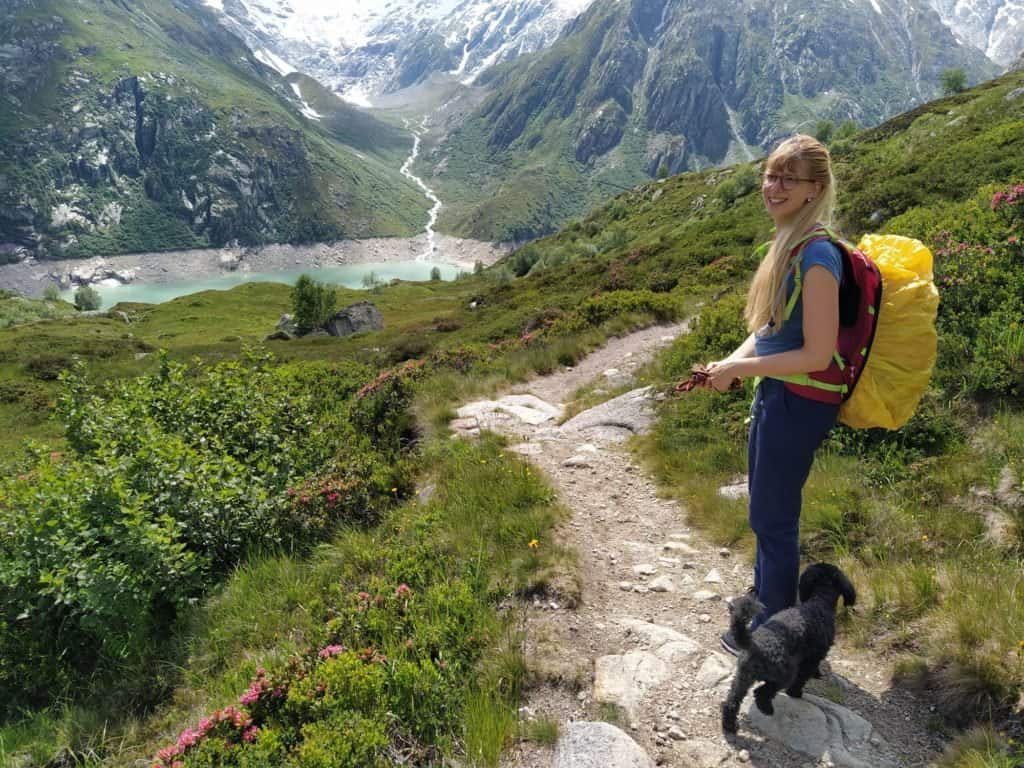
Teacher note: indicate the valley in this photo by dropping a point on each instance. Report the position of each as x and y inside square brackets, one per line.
[486, 524]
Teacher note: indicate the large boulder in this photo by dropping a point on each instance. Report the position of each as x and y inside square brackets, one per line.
[356, 318]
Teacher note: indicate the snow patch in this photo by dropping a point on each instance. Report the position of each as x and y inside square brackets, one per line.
[274, 62]
[304, 108]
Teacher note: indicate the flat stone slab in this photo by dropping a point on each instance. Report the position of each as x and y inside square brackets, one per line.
[716, 669]
[624, 679]
[598, 745]
[633, 411]
[666, 643]
[821, 728]
[528, 409]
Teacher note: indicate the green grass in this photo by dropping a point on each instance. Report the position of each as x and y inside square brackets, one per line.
[475, 531]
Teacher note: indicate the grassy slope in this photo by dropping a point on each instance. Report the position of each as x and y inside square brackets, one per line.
[915, 551]
[353, 185]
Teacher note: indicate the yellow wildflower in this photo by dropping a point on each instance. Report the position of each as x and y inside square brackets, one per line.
[533, 544]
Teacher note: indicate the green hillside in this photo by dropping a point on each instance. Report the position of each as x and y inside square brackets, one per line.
[145, 126]
[201, 607]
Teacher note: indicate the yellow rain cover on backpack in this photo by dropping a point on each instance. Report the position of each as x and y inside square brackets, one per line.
[903, 352]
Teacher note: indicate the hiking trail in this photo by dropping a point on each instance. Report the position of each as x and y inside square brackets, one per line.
[634, 674]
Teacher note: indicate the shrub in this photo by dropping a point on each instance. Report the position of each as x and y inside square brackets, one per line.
[88, 298]
[953, 81]
[171, 480]
[51, 292]
[313, 303]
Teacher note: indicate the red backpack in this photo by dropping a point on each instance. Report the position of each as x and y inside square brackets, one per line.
[860, 298]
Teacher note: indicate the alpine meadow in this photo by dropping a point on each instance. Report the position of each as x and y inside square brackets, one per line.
[234, 538]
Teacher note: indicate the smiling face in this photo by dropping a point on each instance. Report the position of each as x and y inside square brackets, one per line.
[786, 188]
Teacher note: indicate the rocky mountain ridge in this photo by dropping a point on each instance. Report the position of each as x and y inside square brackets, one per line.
[993, 26]
[379, 47]
[638, 87]
[149, 127]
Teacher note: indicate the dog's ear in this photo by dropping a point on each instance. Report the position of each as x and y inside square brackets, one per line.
[846, 589]
[809, 581]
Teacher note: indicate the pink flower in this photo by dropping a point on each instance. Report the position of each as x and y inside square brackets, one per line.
[403, 591]
[252, 695]
[205, 725]
[187, 738]
[330, 650]
[168, 753]
[250, 733]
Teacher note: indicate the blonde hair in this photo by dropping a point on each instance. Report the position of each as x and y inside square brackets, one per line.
[806, 157]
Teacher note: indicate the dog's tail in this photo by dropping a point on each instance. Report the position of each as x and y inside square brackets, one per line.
[743, 609]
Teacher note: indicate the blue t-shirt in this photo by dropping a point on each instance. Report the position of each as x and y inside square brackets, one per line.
[791, 335]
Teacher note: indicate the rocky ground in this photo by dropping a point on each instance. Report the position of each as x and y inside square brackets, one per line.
[631, 668]
[31, 277]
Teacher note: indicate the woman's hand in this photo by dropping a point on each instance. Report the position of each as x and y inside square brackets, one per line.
[721, 375]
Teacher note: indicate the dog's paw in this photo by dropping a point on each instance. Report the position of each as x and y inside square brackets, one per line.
[795, 692]
[764, 701]
[729, 723]
[817, 673]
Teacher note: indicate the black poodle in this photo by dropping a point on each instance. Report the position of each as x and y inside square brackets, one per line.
[785, 651]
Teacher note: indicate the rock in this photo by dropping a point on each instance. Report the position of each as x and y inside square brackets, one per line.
[1016, 93]
[703, 753]
[632, 411]
[598, 745]
[525, 408]
[666, 643]
[356, 318]
[644, 569]
[680, 547]
[818, 727]
[577, 462]
[735, 490]
[623, 680]
[715, 669]
[285, 321]
[705, 596]
[281, 335]
[663, 584]
[713, 577]
[675, 732]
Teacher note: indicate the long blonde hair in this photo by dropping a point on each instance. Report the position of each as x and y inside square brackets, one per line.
[806, 157]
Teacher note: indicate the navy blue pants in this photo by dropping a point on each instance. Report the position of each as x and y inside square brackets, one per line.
[785, 431]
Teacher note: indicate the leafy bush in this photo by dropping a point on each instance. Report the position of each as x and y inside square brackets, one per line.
[313, 303]
[171, 480]
[88, 298]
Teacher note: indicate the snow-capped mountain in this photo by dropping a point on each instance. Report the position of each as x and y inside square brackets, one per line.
[376, 46]
[993, 26]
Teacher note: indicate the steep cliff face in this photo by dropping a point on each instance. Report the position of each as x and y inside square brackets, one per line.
[993, 26]
[135, 127]
[638, 85]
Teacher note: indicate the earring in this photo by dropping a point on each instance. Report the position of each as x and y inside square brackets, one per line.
[810, 199]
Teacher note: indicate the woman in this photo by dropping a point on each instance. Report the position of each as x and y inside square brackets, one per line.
[785, 429]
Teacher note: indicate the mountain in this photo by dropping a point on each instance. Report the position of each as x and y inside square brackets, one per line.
[378, 46]
[637, 87]
[145, 125]
[993, 26]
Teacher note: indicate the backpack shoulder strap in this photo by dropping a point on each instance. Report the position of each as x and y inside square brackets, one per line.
[818, 233]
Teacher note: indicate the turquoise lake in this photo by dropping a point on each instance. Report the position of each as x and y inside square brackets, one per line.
[346, 275]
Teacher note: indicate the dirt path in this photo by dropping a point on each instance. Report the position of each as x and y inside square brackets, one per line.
[645, 634]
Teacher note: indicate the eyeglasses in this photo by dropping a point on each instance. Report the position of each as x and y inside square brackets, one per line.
[787, 182]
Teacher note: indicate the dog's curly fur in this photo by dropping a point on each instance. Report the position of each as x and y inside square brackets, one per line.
[786, 650]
